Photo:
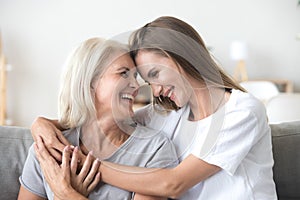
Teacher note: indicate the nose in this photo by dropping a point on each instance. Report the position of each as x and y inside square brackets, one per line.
[134, 83]
[156, 89]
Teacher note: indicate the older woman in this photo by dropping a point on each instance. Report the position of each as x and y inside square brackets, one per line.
[96, 101]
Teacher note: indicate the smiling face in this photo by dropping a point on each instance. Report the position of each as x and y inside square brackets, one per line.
[117, 88]
[163, 74]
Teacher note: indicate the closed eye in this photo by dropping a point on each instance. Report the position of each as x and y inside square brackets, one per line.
[153, 73]
[125, 73]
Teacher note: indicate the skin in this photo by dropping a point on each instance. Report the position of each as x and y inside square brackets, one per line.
[120, 76]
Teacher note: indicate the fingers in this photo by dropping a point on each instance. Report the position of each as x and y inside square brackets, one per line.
[94, 172]
[81, 159]
[95, 182]
[62, 139]
[42, 154]
[53, 140]
[74, 161]
[53, 137]
[86, 166]
[40, 149]
[66, 157]
[55, 154]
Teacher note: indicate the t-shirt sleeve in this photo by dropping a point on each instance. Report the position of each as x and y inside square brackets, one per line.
[237, 136]
[31, 177]
[164, 156]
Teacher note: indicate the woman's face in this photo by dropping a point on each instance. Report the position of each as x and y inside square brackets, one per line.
[117, 88]
[164, 76]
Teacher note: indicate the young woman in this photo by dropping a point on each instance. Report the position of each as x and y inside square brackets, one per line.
[221, 133]
[96, 101]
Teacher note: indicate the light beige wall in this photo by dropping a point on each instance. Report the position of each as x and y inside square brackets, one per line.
[39, 34]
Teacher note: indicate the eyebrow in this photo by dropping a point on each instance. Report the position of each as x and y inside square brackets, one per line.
[123, 67]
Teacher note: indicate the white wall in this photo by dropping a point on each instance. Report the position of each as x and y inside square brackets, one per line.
[39, 34]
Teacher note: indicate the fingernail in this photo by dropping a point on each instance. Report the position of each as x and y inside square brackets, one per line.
[35, 145]
[76, 149]
[91, 153]
[67, 148]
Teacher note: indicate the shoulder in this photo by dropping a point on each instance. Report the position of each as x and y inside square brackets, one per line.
[247, 104]
[153, 146]
[150, 135]
[147, 138]
[245, 114]
[143, 115]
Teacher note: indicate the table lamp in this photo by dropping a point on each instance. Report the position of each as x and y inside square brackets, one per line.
[238, 52]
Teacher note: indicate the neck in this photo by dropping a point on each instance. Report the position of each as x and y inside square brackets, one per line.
[104, 136]
[205, 102]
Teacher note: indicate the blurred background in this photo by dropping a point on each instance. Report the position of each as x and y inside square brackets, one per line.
[251, 39]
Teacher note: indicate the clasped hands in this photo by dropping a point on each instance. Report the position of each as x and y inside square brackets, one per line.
[70, 178]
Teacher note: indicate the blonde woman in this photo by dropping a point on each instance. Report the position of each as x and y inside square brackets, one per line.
[96, 100]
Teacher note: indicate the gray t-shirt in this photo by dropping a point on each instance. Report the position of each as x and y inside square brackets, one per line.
[144, 148]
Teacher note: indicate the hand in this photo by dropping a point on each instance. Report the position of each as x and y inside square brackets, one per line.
[54, 140]
[84, 178]
[59, 176]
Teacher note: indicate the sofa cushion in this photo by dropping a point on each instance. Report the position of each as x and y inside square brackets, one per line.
[286, 152]
[14, 144]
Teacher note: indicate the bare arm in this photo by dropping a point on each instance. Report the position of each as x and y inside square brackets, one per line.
[161, 182]
[25, 195]
[145, 197]
[50, 132]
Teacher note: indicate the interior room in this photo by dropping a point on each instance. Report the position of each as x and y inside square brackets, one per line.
[256, 42]
[37, 37]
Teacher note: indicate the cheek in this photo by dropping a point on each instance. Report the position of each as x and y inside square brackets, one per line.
[106, 90]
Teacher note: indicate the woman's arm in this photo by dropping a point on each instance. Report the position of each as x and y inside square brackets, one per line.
[50, 132]
[145, 197]
[160, 182]
[25, 195]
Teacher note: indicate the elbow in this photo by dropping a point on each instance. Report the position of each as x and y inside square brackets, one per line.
[173, 188]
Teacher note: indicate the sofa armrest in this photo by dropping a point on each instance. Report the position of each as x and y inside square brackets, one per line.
[14, 145]
[286, 153]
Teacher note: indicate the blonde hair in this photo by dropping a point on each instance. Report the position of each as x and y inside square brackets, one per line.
[179, 41]
[84, 67]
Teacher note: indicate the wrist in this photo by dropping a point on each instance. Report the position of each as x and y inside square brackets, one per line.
[70, 193]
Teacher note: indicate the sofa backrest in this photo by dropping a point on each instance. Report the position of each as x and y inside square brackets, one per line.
[14, 145]
[286, 153]
[15, 142]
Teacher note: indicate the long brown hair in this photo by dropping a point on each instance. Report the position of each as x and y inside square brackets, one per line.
[179, 41]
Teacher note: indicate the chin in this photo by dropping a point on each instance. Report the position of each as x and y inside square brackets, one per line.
[125, 113]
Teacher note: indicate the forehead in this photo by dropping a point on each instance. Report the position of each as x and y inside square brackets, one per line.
[148, 56]
[147, 60]
[122, 60]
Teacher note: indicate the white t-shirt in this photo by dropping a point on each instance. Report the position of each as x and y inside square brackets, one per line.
[237, 138]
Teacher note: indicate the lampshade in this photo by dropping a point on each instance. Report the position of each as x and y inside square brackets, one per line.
[238, 50]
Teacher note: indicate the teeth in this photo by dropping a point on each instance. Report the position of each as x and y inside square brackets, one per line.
[127, 96]
[170, 93]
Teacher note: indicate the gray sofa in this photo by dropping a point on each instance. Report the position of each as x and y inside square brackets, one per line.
[15, 141]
